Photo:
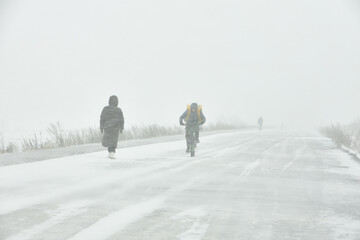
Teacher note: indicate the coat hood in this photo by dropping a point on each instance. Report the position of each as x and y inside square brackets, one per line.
[194, 105]
[113, 101]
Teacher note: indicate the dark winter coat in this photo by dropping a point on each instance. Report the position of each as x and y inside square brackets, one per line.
[193, 119]
[111, 123]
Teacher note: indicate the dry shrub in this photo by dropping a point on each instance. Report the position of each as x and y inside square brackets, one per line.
[346, 135]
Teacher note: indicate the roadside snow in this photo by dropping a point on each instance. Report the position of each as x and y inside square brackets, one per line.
[351, 151]
[348, 165]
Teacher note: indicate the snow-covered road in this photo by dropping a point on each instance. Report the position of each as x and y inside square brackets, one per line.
[241, 185]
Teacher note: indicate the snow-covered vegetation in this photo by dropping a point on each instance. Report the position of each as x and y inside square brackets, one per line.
[56, 136]
[345, 135]
[7, 147]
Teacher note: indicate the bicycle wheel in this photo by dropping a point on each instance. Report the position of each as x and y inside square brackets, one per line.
[193, 143]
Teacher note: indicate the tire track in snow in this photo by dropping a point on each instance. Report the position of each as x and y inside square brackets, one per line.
[296, 157]
[14, 205]
[199, 226]
[116, 221]
[61, 214]
[216, 151]
[250, 167]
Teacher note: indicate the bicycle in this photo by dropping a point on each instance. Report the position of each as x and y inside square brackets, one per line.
[192, 141]
[191, 138]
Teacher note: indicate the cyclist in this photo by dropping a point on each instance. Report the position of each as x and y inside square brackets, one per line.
[193, 117]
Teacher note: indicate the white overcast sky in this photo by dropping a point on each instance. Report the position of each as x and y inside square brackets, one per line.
[293, 62]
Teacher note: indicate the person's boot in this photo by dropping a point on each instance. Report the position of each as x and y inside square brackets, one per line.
[112, 155]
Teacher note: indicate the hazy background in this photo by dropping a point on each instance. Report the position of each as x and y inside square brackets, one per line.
[293, 62]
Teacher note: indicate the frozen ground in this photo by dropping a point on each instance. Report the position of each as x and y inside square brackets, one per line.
[241, 185]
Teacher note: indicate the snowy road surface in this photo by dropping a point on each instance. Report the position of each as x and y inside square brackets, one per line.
[241, 185]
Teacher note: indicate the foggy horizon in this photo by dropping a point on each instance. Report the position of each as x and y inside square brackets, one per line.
[294, 63]
[74, 166]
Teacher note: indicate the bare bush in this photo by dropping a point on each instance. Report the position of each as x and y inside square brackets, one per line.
[7, 147]
[223, 126]
[57, 134]
[58, 137]
[2, 144]
[11, 147]
[346, 135]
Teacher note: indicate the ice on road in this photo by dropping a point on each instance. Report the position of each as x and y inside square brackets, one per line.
[240, 185]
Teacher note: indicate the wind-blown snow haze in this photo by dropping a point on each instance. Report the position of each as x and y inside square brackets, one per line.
[295, 63]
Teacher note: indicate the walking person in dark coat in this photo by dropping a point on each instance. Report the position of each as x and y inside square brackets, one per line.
[193, 117]
[260, 123]
[111, 123]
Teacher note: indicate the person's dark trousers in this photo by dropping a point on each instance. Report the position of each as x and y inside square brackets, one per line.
[188, 136]
[196, 135]
[111, 149]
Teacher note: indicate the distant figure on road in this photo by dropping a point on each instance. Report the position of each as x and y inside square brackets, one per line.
[111, 123]
[193, 117]
[260, 123]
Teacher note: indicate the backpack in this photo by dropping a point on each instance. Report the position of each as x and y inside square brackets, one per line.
[199, 110]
